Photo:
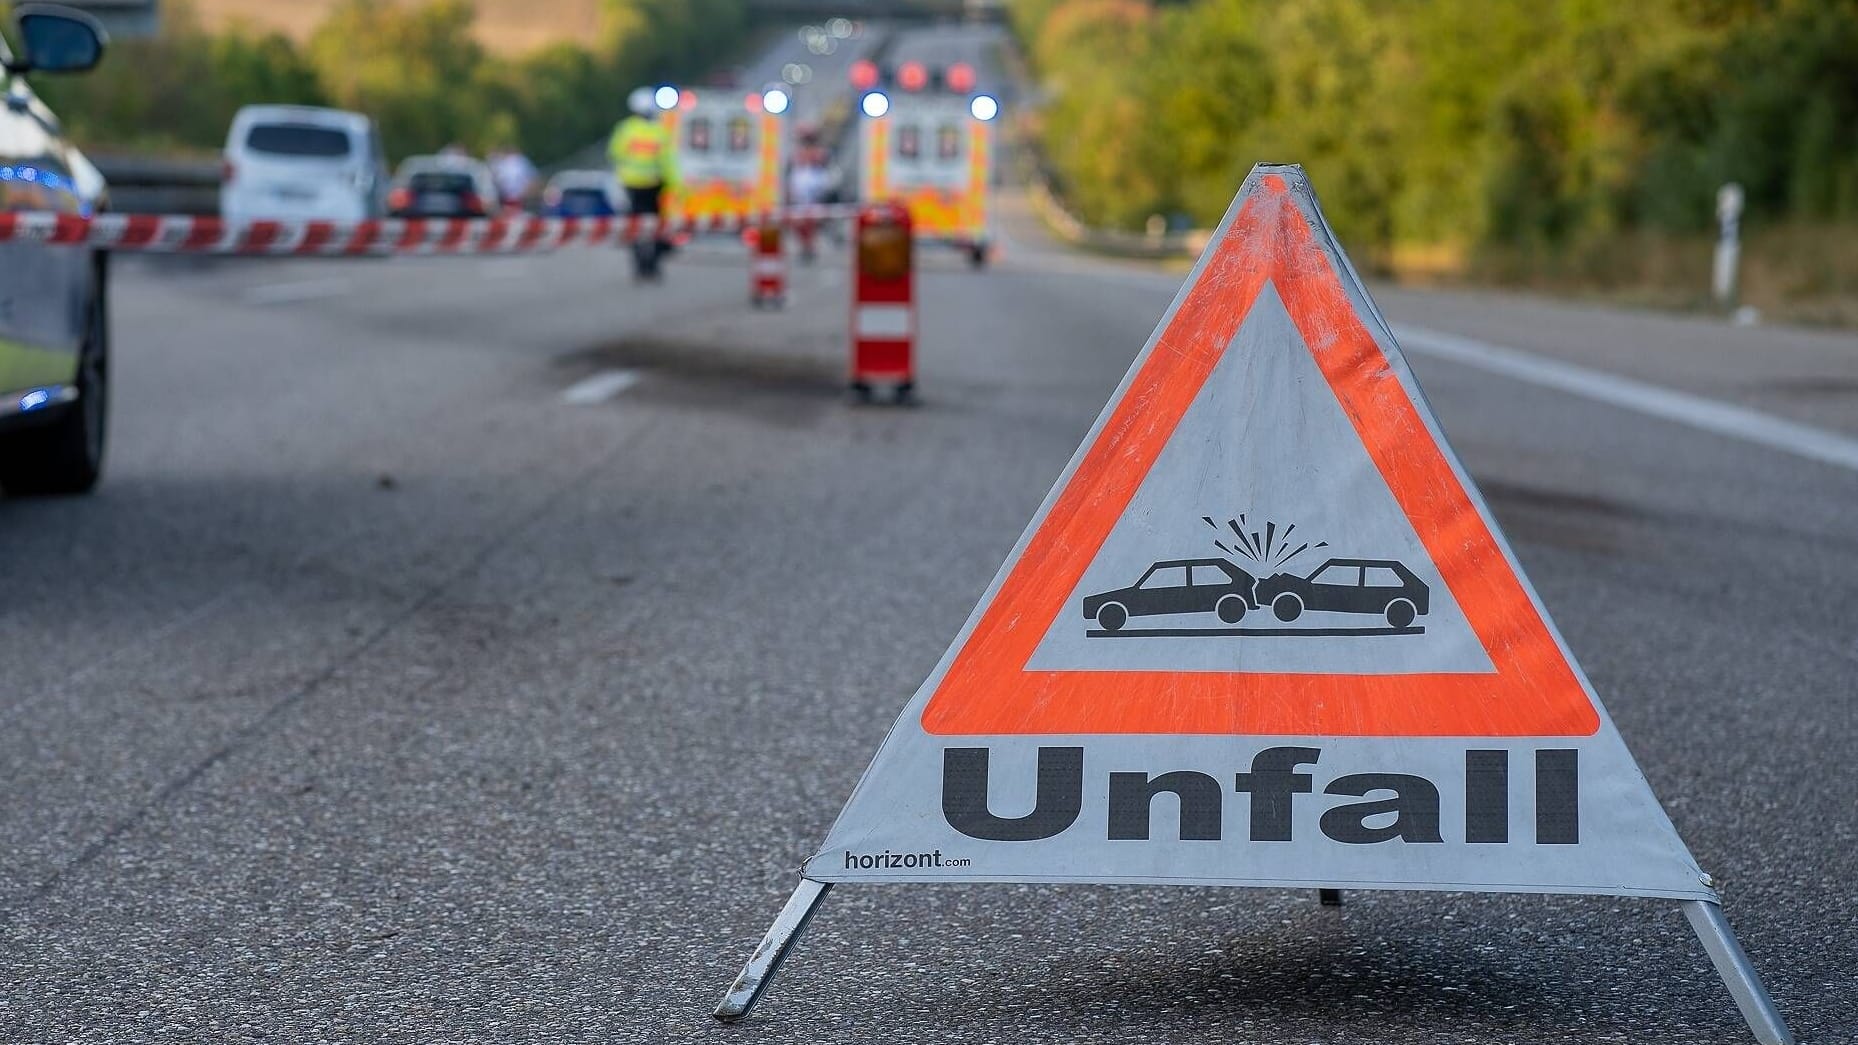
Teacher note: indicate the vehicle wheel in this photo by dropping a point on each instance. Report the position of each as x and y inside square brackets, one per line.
[66, 456]
[1111, 616]
[862, 391]
[977, 256]
[904, 394]
[1400, 613]
[1231, 608]
[1287, 607]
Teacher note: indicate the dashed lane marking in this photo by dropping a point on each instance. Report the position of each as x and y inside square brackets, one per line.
[599, 388]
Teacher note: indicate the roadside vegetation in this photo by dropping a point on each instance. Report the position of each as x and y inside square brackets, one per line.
[415, 65]
[1570, 144]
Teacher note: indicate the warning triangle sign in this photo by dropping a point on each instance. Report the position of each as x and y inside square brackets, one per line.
[1272, 543]
[1263, 631]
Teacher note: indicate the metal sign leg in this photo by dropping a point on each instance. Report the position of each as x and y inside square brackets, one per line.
[766, 961]
[1736, 972]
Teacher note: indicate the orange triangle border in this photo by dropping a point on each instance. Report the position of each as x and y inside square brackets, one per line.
[1534, 689]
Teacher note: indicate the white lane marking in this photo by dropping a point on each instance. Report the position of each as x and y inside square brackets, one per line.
[301, 290]
[1709, 415]
[600, 387]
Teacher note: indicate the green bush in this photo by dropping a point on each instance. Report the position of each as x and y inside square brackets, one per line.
[1551, 126]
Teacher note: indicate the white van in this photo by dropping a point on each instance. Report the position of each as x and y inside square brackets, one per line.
[299, 162]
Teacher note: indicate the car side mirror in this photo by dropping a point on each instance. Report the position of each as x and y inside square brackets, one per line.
[56, 40]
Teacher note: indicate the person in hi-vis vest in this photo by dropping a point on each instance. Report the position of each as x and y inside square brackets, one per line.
[645, 162]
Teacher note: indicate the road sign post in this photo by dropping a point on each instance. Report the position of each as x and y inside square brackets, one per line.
[1729, 201]
[1267, 589]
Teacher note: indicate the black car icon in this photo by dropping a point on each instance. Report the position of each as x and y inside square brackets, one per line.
[1177, 586]
[1348, 586]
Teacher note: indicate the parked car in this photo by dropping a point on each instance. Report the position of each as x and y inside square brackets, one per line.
[442, 187]
[583, 194]
[54, 329]
[1177, 586]
[302, 162]
[1380, 586]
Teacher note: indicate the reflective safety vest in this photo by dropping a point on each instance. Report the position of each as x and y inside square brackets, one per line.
[643, 154]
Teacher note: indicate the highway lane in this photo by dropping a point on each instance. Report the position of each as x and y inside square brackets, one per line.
[384, 692]
[471, 649]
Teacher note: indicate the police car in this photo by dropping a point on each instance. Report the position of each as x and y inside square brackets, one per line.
[54, 330]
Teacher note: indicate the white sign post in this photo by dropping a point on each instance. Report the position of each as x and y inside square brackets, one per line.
[1729, 201]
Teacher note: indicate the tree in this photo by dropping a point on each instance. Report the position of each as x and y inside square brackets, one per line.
[180, 89]
[414, 68]
[1556, 125]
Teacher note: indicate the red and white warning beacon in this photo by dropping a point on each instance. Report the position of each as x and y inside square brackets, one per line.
[883, 335]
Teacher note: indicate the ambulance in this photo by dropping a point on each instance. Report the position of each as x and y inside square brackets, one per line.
[730, 151]
[926, 139]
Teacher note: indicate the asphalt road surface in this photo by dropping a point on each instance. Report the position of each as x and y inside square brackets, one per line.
[470, 650]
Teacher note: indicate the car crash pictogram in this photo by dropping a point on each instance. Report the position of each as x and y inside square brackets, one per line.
[1379, 586]
[1178, 586]
[1327, 600]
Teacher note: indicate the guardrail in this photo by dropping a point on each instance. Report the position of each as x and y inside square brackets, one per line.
[161, 185]
[1072, 229]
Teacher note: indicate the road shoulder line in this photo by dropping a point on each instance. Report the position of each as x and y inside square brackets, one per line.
[1708, 415]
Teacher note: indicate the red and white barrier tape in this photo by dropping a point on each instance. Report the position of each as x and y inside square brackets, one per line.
[184, 234]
